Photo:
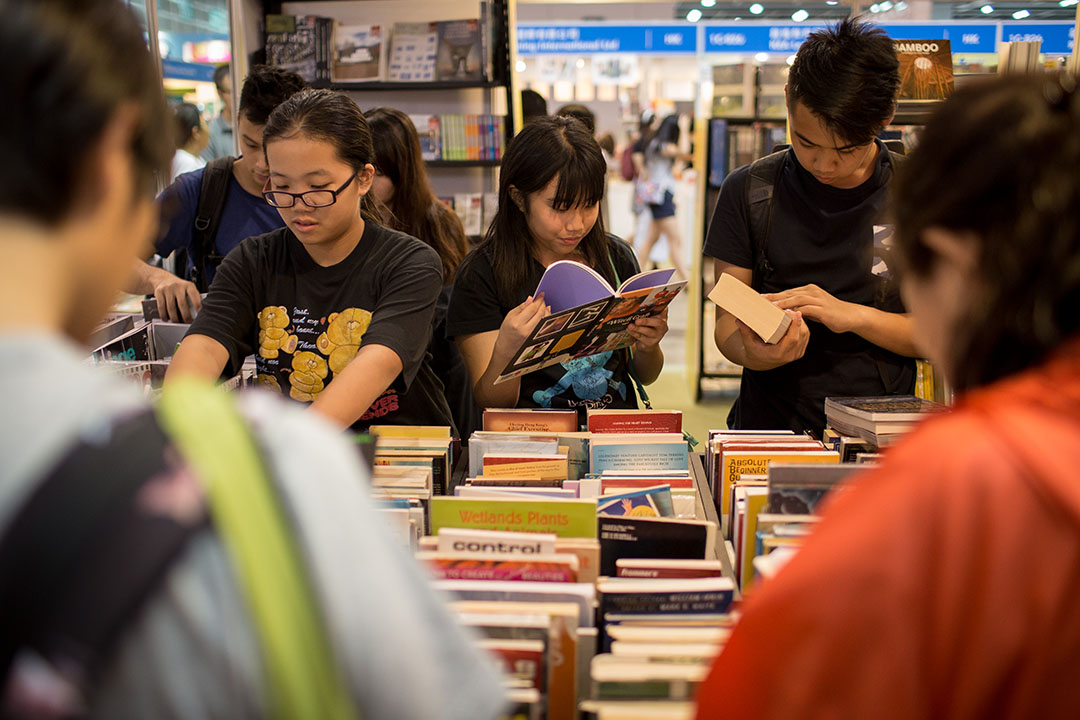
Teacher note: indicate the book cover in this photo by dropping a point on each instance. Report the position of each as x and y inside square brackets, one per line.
[655, 568]
[524, 420]
[634, 421]
[459, 56]
[582, 595]
[626, 456]
[798, 489]
[518, 660]
[437, 432]
[649, 502]
[357, 53]
[926, 69]
[735, 464]
[526, 466]
[509, 445]
[755, 504]
[588, 316]
[292, 43]
[429, 131]
[742, 301]
[632, 537]
[565, 518]
[615, 483]
[533, 570]
[472, 541]
[890, 408]
[412, 52]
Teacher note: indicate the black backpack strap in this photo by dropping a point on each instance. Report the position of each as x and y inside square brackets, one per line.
[760, 190]
[212, 193]
[87, 549]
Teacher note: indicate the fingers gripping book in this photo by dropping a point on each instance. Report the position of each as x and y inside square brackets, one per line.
[588, 316]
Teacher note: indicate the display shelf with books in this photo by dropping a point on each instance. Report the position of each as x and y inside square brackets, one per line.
[450, 59]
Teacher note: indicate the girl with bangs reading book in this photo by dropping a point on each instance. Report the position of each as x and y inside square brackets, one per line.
[336, 307]
[401, 184]
[550, 187]
[943, 584]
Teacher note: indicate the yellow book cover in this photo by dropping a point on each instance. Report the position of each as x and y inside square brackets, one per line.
[504, 466]
[410, 431]
[755, 504]
[756, 462]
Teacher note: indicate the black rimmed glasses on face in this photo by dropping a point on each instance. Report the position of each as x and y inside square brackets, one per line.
[311, 198]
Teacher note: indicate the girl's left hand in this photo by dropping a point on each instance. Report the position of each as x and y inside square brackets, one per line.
[648, 331]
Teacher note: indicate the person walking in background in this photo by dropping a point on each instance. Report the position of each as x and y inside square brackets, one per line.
[654, 159]
[192, 135]
[221, 127]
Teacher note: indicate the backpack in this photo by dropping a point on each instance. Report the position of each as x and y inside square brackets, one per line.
[212, 192]
[626, 164]
[89, 547]
[760, 188]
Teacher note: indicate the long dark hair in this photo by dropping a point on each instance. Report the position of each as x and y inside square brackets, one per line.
[72, 66]
[331, 117]
[187, 121]
[999, 161]
[414, 208]
[545, 148]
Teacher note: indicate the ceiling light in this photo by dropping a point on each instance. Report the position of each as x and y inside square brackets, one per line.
[1068, 3]
[693, 16]
[580, 63]
[886, 6]
[900, 6]
[790, 60]
[799, 15]
[708, 3]
[757, 9]
[762, 57]
[1021, 14]
[832, 2]
[520, 66]
[875, 8]
[986, 9]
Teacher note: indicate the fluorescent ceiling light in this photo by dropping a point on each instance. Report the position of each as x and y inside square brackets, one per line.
[1021, 14]
[886, 6]
[1068, 3]
[708, 3]
[986, 9]
[875, 8]
[694, 15]
[762, 57]
[757, 9]
[799, 15]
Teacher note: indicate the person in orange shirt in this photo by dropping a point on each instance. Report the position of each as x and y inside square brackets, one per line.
[946, 582]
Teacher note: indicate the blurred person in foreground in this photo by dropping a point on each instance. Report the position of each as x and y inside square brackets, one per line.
[943, 583]
[124, 591]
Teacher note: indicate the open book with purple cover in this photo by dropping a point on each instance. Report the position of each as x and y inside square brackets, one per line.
[587, 315]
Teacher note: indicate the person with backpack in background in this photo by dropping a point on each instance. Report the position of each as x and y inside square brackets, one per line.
[210, 211]
[218, 555]
[800, 226]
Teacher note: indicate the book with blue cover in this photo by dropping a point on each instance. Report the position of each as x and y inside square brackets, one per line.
[648, 502]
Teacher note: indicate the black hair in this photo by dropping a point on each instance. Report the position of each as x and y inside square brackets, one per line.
[999, 161]
[266, 87]
[582, 113]
[70, 65]
[188, 120]
[220, 73]
[414, 208]
[545, 148]
[331, 117]
[848, 75]
[533, 106]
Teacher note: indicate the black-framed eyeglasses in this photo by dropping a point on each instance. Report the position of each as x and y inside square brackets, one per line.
[311, 198]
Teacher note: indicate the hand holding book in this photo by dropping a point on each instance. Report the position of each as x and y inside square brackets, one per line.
[813, 303]
[518, 325]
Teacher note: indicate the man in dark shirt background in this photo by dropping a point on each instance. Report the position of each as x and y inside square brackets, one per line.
[816, 257]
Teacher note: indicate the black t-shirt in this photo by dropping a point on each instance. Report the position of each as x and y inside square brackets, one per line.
[305, 322]
[597, 381]
[825, 236]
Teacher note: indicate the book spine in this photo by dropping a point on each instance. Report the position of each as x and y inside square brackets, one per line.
[710, 602]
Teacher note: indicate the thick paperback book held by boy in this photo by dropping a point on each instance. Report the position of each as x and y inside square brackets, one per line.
[588, 316]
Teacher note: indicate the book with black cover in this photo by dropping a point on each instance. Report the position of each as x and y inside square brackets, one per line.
[634, 537]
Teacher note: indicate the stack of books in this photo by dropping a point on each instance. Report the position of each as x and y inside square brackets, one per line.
[475, 210]
[879, 421]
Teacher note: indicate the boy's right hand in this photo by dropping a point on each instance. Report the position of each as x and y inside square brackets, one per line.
[518, 324]
[177, 299]
[760, 355]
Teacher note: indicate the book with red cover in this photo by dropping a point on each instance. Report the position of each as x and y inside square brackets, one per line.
[546, 569]
[635, 421]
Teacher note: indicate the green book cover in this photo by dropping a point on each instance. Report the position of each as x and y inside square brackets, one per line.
[564, 518]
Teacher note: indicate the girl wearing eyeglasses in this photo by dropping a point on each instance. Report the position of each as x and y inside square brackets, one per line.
[336, 308]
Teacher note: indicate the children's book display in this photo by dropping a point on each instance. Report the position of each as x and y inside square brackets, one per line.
[587, 315]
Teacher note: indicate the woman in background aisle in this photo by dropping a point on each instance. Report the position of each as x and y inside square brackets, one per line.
[944, 583]
[401, 184]
[654, 158]
[336, 307]
[550, 188]
[192, 137]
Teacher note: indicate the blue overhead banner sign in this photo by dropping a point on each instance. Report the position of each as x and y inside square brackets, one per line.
[604, 39]
[752, 38]
[963, 38]
[1056, 38]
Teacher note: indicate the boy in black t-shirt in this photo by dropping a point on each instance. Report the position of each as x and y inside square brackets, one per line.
[337, 308]
[816, 256]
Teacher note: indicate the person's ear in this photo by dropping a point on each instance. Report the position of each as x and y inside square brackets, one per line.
[517, 198]
[365, 177]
